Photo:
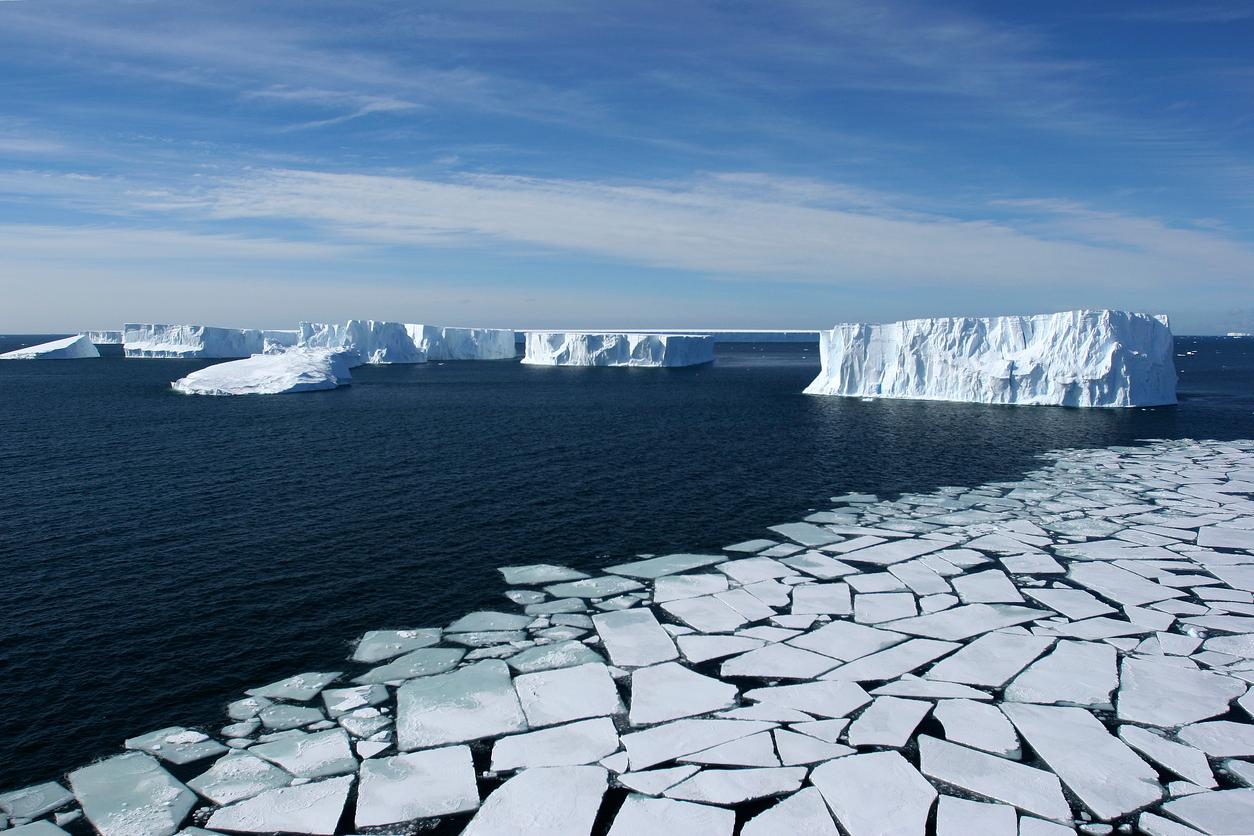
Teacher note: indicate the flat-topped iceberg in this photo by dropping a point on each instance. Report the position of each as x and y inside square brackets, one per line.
[295, 370]
[574, 348]
[373, 341]
[445, 343]
[70, 348]
[104, 337]
[190, 342]
[1074, 358]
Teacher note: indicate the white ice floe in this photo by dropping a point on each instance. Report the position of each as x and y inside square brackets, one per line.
[315, 755]
[416, 785]
[33, 801]
[669, 691]
[641, 815]
[439, 342]
[668, 564]
[894, 661]
[778, 661]
[378, 645]
[1074, 673]
[425, 661]
[634, 638]
[823, 699]
[585, 741]
[364, 340]
[684, 737]
[1162, 694]
[176, 745]
[1220, 738]
[964, 817]
[70, 348]
[797, 748]
[313, 808]
[467, 704]
[734, 786]
[876, 794]
[1223, 811]
[978, 725]
[623, 349]
[297, 370]
[131, 795]
[754, 750]
[188, 342]
[551, 801]
[1033, 790]
[1076, 358]
[846, 641]
[991, 660]
[565, 694]
[236, 776]
[1185, 761]
[888, 721]
[966, 621]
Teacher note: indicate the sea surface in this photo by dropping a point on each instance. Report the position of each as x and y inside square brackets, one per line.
[161, 553]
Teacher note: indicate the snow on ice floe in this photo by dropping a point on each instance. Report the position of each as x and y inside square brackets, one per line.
[740, 689]
[69, 348]
[297, 370]
[1076, 358]
[577, 348]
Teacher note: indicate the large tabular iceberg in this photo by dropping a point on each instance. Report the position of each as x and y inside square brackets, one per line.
[295, 370]
[444, 343]
[372, 341]
[190, 341]
[70, 348]
[1075, 358]
[573, 348]
[104, 337]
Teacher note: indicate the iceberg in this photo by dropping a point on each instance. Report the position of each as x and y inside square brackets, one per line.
[189, 342]
[297, 370]
[70, 348]
[444, 343]
[372, 341]
[104, 337]
[572, 348]
[1075, 358]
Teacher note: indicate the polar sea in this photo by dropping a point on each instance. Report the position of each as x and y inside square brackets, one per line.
[162, 553]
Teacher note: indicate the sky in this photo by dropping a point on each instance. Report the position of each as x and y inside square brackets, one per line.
[568, 164]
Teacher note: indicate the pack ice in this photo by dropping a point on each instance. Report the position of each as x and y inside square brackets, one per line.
[69, 348]
[189, 342]
[1076, 358]
[571, 348]
[295, 370]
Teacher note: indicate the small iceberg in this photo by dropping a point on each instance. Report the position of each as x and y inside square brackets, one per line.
[297, 370]
[71, 348]
[576, 348]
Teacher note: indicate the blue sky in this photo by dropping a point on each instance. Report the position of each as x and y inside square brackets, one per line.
[784, 164]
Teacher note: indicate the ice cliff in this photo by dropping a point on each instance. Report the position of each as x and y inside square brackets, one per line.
[444, 343]
[190, 341]
[373, 341]
[69, 348]
[104, 337]
[588, 349]
[294, 370]
[1075, 358]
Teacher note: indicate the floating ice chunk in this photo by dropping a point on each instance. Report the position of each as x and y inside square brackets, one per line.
[634, 638]
[70, 348]
[978, 725]
[846, 640]
[1185, 761]
[622, 349]
[441, 343]
[640, 815]
[1220, 738]
[921, 579]
[912, 686]
[418, 785]
[822, 599]
[886, 554]
[539, 573]
[280, 717]
[246, 708]
[733, 786]
[313, 808]
[875, 794]
[703, 648]
[310, 756]
[778, 661]
[1120, 585]
[479, 622]
[706, 614]
[1105, 774]
[32, 802]
[236, 776]
[564, 694]
[467, 704]
[586, 741]
[1224, 811]
[998, 779]
[750, 546]
[893, 662]
[745, 603]
[963, 817]
[1075, 358]
[823, 699]
[300, 688]
[1158, 693]
[1075, 673]
[424, 662]
[966, 621]
[991, 660]
[754, 750]
[819, 565]
[342, 700]
[1073, 603]
[654, 781]
[669, 691]
[796, 749]
[678, 587]
[131, 795]
[378, 645]
[828, 731]
[888, 721]
[176, 745]
[599, 587]
[988, 587]
[39, 828]
[671, 564]
[1223, 537]
[550, 801]
[884, 606]
[269, 374]
[683, 737]
[807, 534]
[803, 813]
[562, 654]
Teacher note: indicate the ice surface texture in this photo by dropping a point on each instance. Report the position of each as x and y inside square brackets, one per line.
[545, 348]
[1075, 358]
[191, 341]
[295, 370]
[70, 348]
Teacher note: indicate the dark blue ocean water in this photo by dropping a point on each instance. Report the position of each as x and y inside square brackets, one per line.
[161, 553]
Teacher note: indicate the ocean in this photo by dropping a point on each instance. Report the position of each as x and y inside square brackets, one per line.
[162, 553]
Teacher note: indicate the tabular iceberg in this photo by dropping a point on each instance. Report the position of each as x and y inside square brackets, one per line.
[444, 343]
[70, 348]
[573, 348]
[1074, 358]
[104, 337]
[190, 341]
[372, 341]
[294, 370]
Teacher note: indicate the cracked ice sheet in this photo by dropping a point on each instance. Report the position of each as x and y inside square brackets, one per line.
[564, 694]
[991, 660]
[893, 662]
[803, 813]
[888, 721]
[1077, 673]
[418, 785]
[470, 703]
[998, 779]
[634, 638]
[577, 743]
[313, 808]
[550, 801]
[966, 621]
[875, 794]
[978, 725]
[684, 737]
[641, 814]
[733, 786]
[1158, 693]
[670, 691]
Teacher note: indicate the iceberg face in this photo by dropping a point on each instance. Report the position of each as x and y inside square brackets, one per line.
[104, 337]
[295, 370]
[70, 348]
[372, 341]
[1075, 358]
[586, 349]
[443, 343]
[190, 341]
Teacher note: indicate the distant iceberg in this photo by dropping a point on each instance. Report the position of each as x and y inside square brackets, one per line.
[190, 342]
[294, 370]
[71, 348]
[1076, 358]
[445, 343]
[372, 341]
[571, 348]
[104, 337]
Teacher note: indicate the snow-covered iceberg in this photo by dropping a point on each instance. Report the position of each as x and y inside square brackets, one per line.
[372, 341]
[294, 370]
[69, 348]
[573, 348]
[444, 343]
[1075, 358]
[104, 337]
[190, 342]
